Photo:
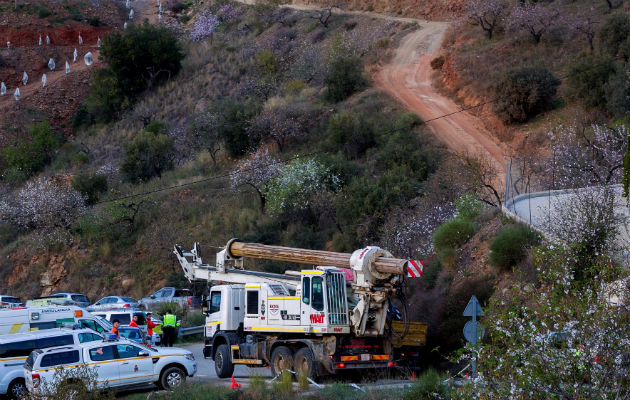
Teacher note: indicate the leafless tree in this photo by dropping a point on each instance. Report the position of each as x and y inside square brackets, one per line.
[613, 3]
[256, 171]
[488, 14]
[323, 15]
[536, 19]
[282, 123]
[480, 178]
[585, 26]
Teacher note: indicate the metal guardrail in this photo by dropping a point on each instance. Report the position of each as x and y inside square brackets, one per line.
[193, 330]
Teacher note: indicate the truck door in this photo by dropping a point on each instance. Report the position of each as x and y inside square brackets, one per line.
[213, 320]
[312, 302]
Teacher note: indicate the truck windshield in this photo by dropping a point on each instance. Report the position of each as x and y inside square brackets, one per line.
[318, 294]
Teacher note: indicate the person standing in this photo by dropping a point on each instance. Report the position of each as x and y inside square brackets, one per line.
[115, 329]
[169, 323]
[150, 326]
[134, 322]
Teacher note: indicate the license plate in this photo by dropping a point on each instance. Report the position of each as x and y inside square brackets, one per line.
[365, 357]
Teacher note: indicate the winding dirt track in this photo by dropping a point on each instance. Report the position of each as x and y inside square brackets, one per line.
[407, 78]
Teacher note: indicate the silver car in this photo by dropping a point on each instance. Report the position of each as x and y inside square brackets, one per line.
[75, 299]
[113, 302]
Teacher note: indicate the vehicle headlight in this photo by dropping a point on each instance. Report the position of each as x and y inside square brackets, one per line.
[190, 357]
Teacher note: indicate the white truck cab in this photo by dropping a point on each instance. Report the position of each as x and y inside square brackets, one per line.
[29, 319]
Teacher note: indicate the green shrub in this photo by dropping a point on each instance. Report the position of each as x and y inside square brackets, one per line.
[43, 12]
[524, 92]
[453, 233]
[32, 154]
[468, 206]
[94, 21]
[510, 246]
[345, 77]
[587, 77]
[266, 62]
[428, 386]
[82, 117]
[148, 155]
[90, 186]
[139, 58]
[77, 16]
[614, 31]
[232, 126]
[350, 132]
[617, 94]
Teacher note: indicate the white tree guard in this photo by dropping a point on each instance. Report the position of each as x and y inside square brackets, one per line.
[127, 5]
[40, 40]
[3, 89]
[24, 78]
[75, 54]
[44, 80]
[8, 44]
[88, 59]
[125, 26]
[47, 39]
[80, 39]
[131, 14]
[98, 42]
[16, 94]
[67, 68]
[51, 64]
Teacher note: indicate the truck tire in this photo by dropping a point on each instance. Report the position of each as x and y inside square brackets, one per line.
[281, 359]
[223, 362]
[172, 377]
[17, 389]
[304, 364]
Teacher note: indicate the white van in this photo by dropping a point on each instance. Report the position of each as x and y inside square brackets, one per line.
[14, 349]
[22, 320]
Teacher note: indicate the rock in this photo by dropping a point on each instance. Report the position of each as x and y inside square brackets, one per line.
[55, 272]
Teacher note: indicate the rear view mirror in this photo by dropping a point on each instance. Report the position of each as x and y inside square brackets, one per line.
[153, 296]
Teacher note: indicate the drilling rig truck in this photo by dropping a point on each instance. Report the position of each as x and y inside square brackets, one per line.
[317, 321]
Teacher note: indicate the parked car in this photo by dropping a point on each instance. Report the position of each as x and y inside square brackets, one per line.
[113, 302]
[124, 316]
[183, 297]
[77, 299]
[15, 348]
[10, 302]
[116, 364]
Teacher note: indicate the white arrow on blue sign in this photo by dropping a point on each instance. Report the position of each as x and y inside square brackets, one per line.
[473, 308]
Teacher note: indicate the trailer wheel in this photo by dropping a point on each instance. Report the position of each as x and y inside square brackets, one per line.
[304, 364]
[281, 359]
[222, 362]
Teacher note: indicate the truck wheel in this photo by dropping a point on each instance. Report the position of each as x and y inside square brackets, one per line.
[171, 378]
[17, 389]
[304, 364]
[222, 362]
[281, 359]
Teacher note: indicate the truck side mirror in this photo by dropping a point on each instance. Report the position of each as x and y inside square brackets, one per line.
[153, 296]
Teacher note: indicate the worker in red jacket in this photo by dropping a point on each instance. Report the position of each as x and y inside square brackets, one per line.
[134, 322]
[150, 326]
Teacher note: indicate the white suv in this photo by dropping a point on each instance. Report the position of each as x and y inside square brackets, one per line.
[113, 363]
[14, 349]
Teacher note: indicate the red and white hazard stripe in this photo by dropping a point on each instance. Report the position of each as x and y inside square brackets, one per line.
[414, 268]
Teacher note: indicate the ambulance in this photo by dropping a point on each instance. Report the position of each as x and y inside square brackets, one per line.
[29, 319]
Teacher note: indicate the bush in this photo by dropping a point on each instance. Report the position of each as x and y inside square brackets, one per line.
[233, 122]
[428, 386]
[148, 155]
[587, 78]
[437, 62]
[613, 33]
[449, 236]
[43, 12]
[344, 77]
[94, 21]
[137, 59]
[351, 133]
[90, 186]
[510, 246]
[617, 94]
[524, 92]
[266, 62]
[31, 155]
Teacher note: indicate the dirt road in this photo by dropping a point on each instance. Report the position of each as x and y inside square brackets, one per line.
[407, 78]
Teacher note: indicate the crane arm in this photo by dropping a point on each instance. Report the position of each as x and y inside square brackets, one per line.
[194, 269]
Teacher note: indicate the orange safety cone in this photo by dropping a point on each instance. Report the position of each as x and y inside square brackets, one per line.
[235, 385]
[413, 375]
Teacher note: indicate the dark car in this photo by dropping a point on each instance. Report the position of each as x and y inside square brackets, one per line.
[75, 299]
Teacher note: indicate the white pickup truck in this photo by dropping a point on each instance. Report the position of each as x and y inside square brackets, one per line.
[112, 363]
